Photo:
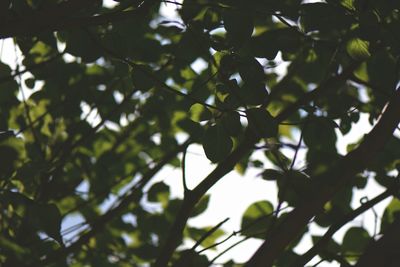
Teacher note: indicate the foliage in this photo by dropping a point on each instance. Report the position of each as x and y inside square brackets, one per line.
[113, 92]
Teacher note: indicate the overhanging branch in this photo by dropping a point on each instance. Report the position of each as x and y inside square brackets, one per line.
[228, 164]
[383, 252]
[62, 17]
[331, 181]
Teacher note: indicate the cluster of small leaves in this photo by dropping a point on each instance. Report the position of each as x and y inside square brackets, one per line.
[113, 93]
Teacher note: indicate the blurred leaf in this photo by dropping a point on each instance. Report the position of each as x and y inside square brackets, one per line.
[256, 219]
[239, 26]
[159, 192]
[391, 212]
[46, 218]
[355, 240]
[358, 49]
[216, 143]
[261, 122]
[201, 206]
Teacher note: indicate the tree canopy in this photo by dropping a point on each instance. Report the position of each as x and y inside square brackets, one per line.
[115, 93]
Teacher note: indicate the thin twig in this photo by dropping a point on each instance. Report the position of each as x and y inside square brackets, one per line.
[185, 188]
[209, 233]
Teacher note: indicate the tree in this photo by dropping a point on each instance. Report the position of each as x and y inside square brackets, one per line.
[135, 70]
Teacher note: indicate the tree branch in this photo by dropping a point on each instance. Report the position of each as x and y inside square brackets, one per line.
[328, 183]
[318, 246]
[61, 17]
[228, 165]
[132, 196]
[49, 18]
[383, 252]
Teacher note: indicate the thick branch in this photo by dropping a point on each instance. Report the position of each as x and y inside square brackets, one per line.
[318, 246]
[385, 251]
[228, 164]
[63, 17]
[330, 182]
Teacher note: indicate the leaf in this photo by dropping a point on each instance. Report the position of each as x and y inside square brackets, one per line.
[325, 18]
[13, 248]
[294, 187]
[191, 258]
[159, 192]
[358, 49]
[199, 112]
[271, 175]
[261, 122]
[197, 233]
[9, 154]
[319, 133]
[391, 212]
[46, 218]
[201, 206]
[194, 129]
[355, 240]
[30, 83]
[81, 45]
[228, 64]
[141, 79]
[231, 123]
[269, 43]
[216, 143]
[238, 25]
[253, 93]
[256, 219]
[251, 71]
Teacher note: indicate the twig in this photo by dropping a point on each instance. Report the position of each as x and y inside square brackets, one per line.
[323, 241]
[209, 233]
[185, 188]
[229, 248]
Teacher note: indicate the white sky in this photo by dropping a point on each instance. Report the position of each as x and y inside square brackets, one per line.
[234, 193]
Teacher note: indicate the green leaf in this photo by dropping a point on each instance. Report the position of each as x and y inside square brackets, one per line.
[325, 18]
[261, 122]
[271, 175]
[355, 240]
[201, 206]
[391, 212]
[191, 258]
[253, 93]
[231, 123]
[80, 44]
[199, 112]
[319, 133]
[197, 233]
[12, 248]
[358, 49]
[30, 83]
[238, 25]
[159, 192]
[256, 219]
[194, 129]
[269, 43]
[251, 71]
[216, 143]
[294, 187]
[46, 218]
[141, 79]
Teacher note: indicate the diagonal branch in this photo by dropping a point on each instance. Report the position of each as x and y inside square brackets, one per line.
[385, 251]
[318, 246]
[132, 196]
[228, 164]
[329, 183]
